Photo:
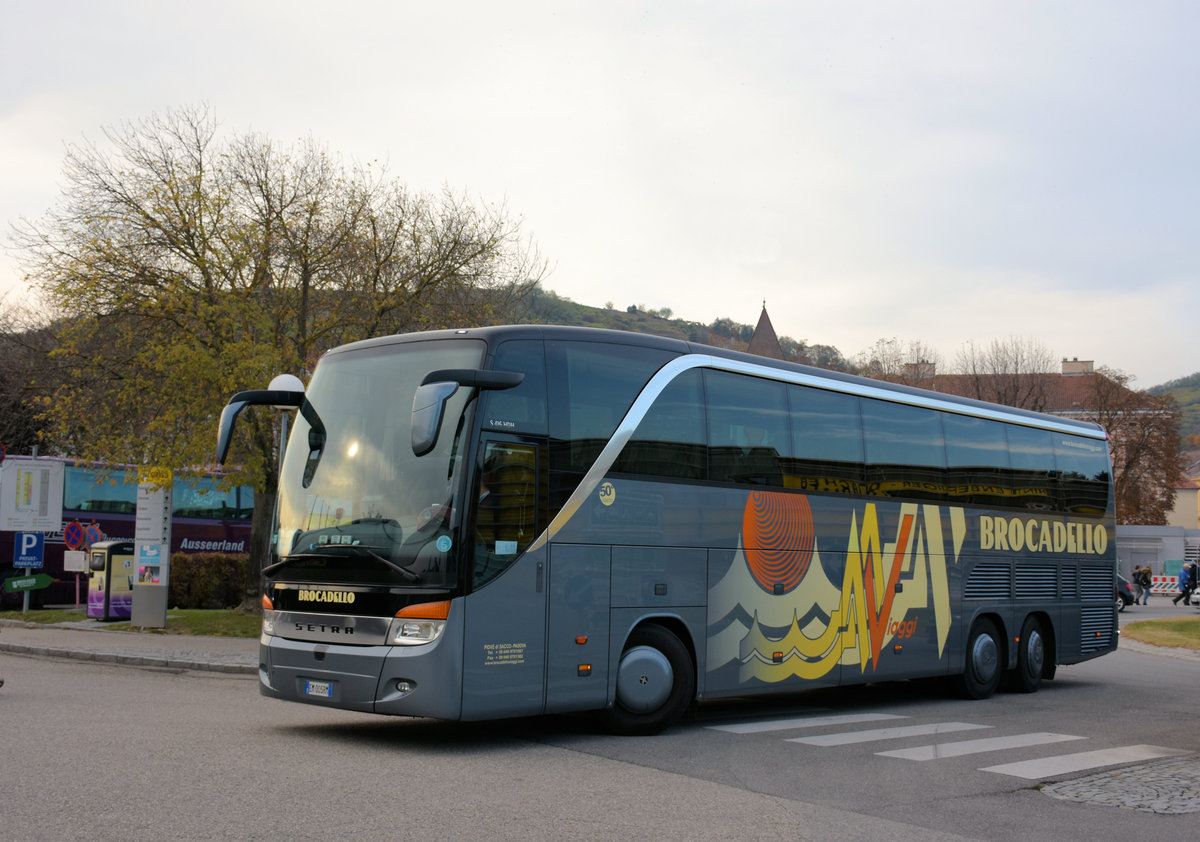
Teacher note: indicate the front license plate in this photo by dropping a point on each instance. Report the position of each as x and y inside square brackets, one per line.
[324, 689]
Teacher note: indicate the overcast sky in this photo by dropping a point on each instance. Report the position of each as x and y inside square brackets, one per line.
[931, 171]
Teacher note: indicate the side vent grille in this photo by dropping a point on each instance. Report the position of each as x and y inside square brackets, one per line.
[989, 580]
[1069, 583]
[1098, 584]
[1036, 581]
[1097, 628]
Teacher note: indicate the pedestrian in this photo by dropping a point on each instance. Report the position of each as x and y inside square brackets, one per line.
[1182, 582]
[1147, 584]
[1141, 590]
[1191, 582]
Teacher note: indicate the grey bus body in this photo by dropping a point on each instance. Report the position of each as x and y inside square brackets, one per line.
[607, 521]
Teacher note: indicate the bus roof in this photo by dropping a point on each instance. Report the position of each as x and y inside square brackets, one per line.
[812, 375]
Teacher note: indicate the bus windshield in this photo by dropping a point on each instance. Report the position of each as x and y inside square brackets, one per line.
[372, 512]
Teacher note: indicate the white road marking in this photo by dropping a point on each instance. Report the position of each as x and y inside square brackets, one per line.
[848, 737]
[934, 752]
[802, 722]
[1049, 767]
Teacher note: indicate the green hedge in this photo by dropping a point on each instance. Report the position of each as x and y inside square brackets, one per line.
[207, 580]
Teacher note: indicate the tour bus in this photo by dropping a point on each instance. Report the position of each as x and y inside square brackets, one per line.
[205, 518]
[520, 520]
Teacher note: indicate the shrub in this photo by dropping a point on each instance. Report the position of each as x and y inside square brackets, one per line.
[207, 580]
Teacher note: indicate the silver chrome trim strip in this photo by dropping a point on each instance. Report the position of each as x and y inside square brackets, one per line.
[665, 375]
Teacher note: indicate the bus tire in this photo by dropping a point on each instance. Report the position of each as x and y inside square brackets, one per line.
[656, 681]
[984, 665]
[1031, 658]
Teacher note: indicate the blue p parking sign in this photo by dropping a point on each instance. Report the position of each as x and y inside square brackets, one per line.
[28, 549]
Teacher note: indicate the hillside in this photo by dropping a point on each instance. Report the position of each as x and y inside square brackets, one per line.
[1186, 392]
[548, 308]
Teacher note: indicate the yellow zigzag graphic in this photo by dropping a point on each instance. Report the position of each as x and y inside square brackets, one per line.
[860, 626]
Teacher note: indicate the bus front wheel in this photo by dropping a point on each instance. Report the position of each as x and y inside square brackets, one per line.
[656, 681]
[984, 666]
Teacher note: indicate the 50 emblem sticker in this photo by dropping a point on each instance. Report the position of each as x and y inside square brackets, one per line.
[608, 494]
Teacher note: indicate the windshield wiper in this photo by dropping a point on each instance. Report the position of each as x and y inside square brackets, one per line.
[344, 551]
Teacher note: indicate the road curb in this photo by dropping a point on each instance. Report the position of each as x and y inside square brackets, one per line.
[131, 659]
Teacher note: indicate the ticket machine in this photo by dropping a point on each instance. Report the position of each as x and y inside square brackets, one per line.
[110, 586]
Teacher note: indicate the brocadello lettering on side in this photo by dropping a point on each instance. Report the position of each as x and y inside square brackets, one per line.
[1042, 536]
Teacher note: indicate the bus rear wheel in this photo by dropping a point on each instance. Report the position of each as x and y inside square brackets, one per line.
[656, 681]
[984, 668]
[1031, 658]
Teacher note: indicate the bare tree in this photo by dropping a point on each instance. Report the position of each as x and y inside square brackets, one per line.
[912, 363]
[1013, 372]
[1143, 432]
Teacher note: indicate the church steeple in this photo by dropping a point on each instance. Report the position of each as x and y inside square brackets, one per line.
[764, 342]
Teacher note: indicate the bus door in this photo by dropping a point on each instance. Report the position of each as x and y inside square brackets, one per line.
[577, 657]
[504, 658]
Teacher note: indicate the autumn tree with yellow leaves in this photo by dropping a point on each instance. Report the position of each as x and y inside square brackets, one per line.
[180, 268]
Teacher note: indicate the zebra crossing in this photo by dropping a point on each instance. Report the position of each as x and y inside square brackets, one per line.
[890, 726]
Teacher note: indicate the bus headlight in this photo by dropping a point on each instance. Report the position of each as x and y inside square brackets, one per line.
[418, 624]
[416, 632]
[268, 622]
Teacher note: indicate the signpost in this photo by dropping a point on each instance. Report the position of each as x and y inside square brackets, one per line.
[152, 532]
[30, 506]
[25, 584]
[28, 552]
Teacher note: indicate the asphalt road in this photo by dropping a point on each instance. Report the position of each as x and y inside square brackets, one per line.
[101, 752]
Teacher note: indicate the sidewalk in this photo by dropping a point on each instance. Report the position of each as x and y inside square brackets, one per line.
[89, 641]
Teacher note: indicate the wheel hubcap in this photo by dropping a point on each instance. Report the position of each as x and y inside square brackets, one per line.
[1035, 652]
[644, 679]
[985, 658]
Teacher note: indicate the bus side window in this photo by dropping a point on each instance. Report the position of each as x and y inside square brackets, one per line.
[906, 452]
[978, 472]
[506, 507]
[747, 429]
[670, 441]
[1032, 454]
[827, 446]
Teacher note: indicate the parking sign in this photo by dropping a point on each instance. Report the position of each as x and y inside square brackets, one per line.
[28, 549]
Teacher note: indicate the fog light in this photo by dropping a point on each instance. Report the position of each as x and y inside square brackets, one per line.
[404, 686]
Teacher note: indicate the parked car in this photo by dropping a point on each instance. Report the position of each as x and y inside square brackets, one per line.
[1124, 592]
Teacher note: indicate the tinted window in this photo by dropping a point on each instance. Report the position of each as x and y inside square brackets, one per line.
[1083, 473]
[1032, 456]
[975, 443]
[906, 455]
[203, 498]
[827, 446]
[591, 387]
[521, 409]
[105, 490]
[670, 440]
[747, 428]
[977, 461]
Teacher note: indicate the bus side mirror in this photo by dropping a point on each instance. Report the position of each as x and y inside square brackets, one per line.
[429, 406]
[259, 397]
[429, 402]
